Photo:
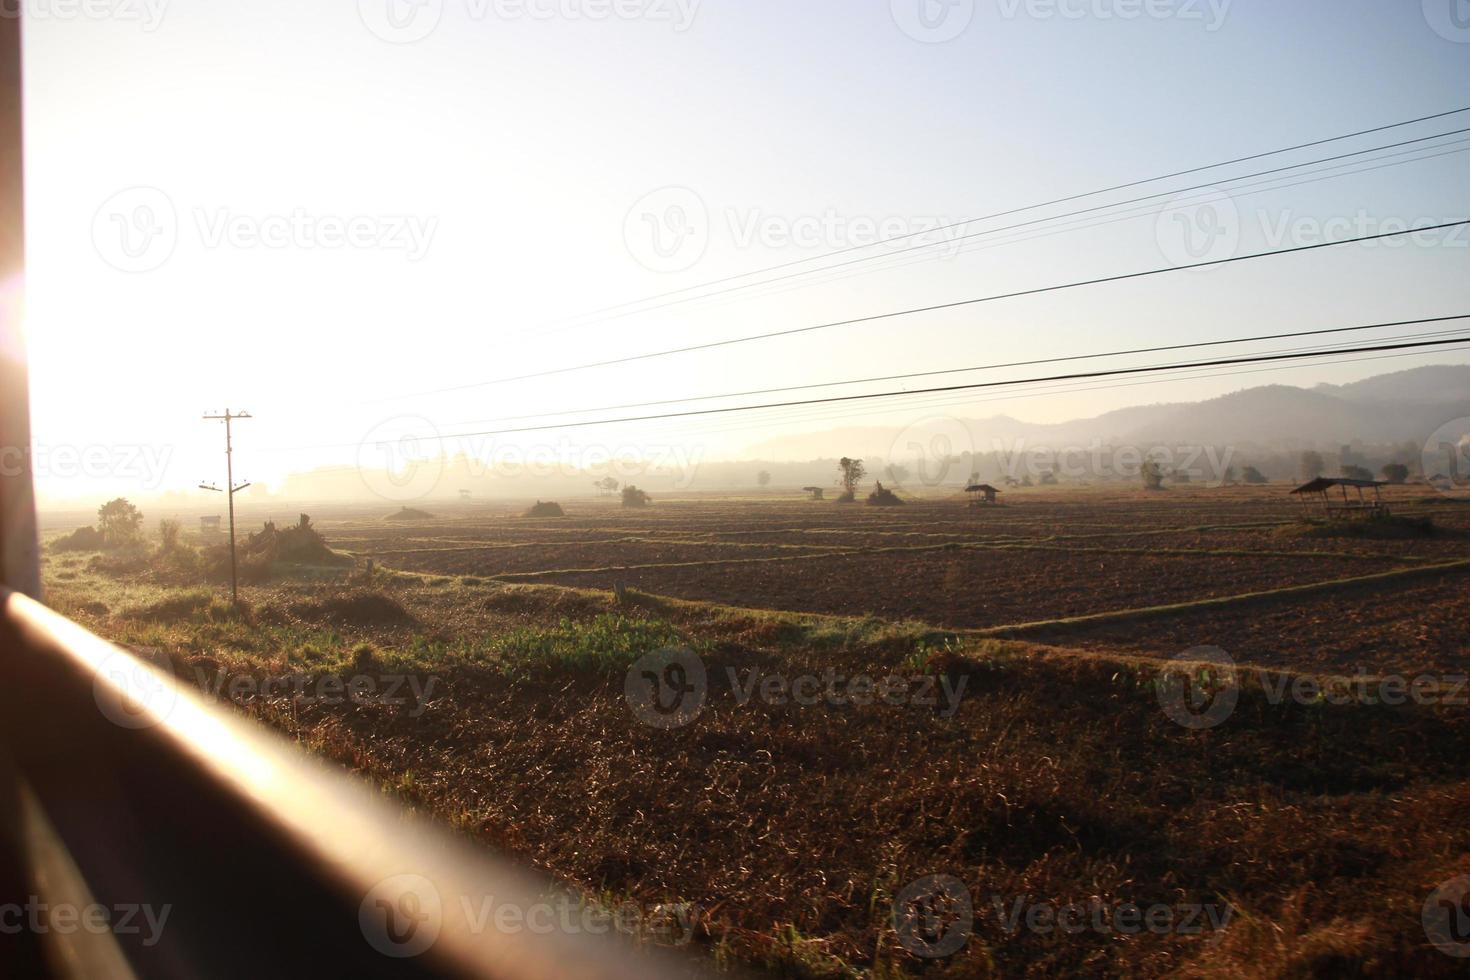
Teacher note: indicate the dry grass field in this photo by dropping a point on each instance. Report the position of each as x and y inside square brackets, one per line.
[1034, 755]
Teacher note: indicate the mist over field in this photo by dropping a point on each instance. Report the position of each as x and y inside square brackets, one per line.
[1373, 422]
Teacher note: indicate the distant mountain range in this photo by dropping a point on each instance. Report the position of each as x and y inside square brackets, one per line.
[1404, 406]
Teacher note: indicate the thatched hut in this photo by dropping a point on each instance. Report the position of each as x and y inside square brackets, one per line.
[982, 494]
[1319, 495]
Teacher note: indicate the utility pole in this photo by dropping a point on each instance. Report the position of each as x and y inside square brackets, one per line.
[230, 492]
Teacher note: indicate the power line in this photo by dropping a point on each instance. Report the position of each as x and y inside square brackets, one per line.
[1030, 207]
[1170, 373]
[231, 488]
[1012, 227]
[978, 367]
[938, 307]
[832, 399]
[1236, 191]
[1258, 338]
[1178, 370]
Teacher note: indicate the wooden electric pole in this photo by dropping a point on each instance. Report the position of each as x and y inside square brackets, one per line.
[230, 491]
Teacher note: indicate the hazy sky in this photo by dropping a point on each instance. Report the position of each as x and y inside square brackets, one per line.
[318, 212]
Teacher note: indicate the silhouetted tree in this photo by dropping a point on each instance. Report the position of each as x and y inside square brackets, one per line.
[1312, 465]
[763, 478]
[852, 473]
[1395, 472]
[120, 522]
[168, 535]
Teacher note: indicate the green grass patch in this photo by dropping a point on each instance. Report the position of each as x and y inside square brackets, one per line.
[187, 605]
[608, 643]
[604, 644]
